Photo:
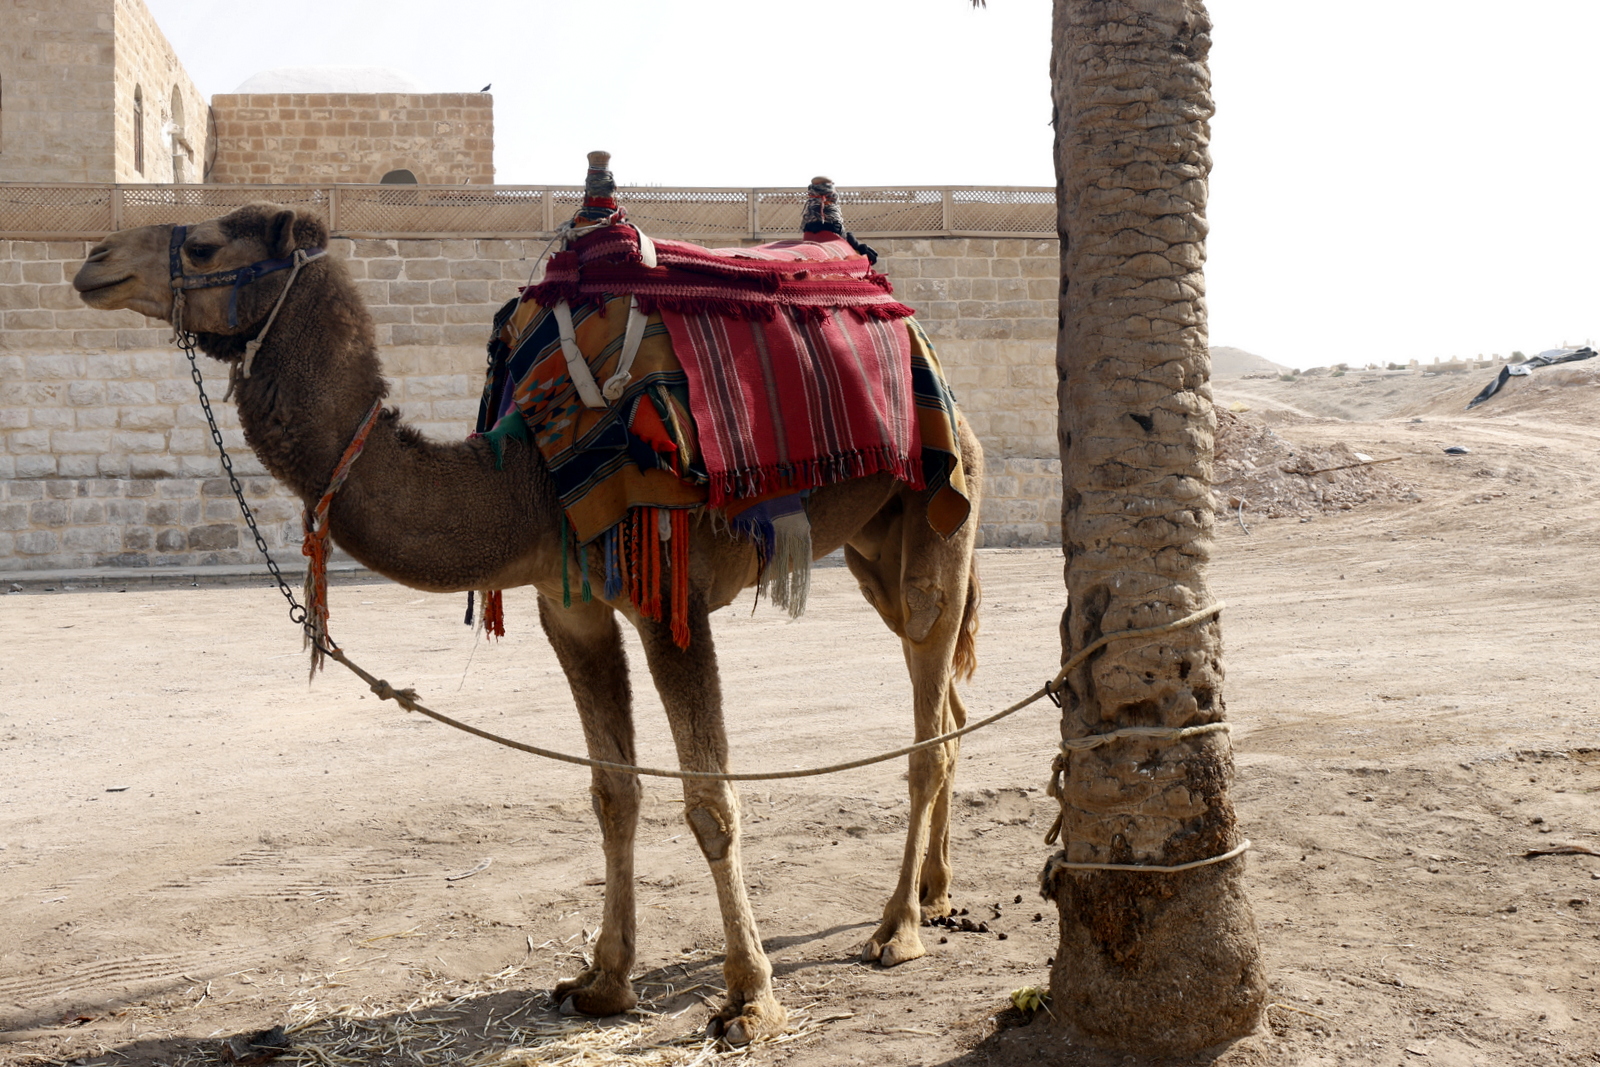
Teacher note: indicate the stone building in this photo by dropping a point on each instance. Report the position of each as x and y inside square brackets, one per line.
[327, 135]
[90, 91]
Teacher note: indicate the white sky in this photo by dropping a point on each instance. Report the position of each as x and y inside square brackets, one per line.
[1394, 179]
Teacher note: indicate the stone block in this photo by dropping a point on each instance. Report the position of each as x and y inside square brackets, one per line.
[419, 249]
[156, 366]
[14, 517]
[88, 512]
[42, 272]
[77, 466]
[86, 393]
[171, 540]
[36, 543]
[420, 270]
[154, 417]
[478, 314]
[408, 293]
[136, 539]
[125, 512]
[14, 418]
[383, 269]
[152, 465]
[53, 418]
[388, 314]
[442, 292]
[441, 387]
[80, 441]
[416, 335]
[479, 269]
[429, 314]
[131, 441]
[189, 442]
[149, 338]
[28, 442]
[53, 367]
[464, 410]
[50, 513]
[26, 297]
[466, 334]
[214, 536]
[365, 249]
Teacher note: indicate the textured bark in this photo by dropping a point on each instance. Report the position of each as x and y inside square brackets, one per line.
[1148, 962]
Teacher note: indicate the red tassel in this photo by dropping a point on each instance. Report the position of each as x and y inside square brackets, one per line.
[494, 613]
[680, 578]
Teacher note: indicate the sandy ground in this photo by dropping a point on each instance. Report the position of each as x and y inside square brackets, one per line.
[193, 843]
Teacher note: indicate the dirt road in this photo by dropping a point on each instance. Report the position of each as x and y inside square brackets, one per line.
[195, 843]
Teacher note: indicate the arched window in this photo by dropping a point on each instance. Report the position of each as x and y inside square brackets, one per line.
[179, 140]
[398, 177]
[138, 129]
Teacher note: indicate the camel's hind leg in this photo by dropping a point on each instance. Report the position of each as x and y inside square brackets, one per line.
[588, 643]
[692, 694]
[920, 585]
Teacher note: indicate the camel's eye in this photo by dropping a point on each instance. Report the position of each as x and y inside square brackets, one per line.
[201, 253]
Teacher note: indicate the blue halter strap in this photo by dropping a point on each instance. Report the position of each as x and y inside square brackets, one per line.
[239, 277]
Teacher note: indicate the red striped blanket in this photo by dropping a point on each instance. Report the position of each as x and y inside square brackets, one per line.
[793, 403]
[799, 370]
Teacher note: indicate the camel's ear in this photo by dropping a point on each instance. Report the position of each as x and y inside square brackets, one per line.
[281, 234]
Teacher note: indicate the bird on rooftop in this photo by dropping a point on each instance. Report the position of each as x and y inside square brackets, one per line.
[486, 88]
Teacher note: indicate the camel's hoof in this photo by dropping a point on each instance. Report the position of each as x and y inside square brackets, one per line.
[891, 950]
[935, 909]
[593, 994]
[740, 1025]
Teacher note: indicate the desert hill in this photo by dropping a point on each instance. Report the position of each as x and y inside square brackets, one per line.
[1227, 362]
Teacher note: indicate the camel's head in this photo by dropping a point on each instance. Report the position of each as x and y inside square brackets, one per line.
[133, 268]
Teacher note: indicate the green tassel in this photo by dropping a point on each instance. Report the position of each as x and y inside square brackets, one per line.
[566, 583]
[583, 572]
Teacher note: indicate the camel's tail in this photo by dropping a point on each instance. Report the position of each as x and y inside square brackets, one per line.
[965, 661]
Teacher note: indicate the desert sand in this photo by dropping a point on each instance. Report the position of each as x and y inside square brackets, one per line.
[195, 843]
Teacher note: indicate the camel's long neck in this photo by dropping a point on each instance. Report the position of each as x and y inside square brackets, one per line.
[429, 515]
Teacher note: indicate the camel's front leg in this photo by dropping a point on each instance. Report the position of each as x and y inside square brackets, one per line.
[690, 690]
[588, 644]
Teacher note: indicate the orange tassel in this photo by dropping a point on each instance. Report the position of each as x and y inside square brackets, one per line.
[680, 578]
[494, 613]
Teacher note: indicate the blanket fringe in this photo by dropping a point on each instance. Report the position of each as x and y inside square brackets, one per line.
[786, 579]
[745, 482]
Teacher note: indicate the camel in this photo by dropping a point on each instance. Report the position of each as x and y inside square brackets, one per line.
[451, 517]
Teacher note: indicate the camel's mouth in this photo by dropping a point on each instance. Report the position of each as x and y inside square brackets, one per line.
[95, 292]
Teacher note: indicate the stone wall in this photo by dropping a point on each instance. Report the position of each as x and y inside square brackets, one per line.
[175, 114]
[106, 459]
[55, 62]
[442, 138]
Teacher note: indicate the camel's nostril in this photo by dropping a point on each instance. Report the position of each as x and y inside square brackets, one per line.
[97, 253]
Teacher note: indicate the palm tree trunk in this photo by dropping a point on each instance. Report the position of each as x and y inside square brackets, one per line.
[1149, 961]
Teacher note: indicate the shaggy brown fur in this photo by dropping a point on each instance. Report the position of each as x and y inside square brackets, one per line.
[444, 518]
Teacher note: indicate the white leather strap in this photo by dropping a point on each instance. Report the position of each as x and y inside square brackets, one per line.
[635, 331]
[577, 366]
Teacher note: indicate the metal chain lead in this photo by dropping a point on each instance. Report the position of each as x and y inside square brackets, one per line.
[297, 613]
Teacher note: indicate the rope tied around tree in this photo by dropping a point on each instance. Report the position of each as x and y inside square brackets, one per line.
[315, 630]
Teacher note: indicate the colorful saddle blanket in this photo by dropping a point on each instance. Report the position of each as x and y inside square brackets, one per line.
[750, 386]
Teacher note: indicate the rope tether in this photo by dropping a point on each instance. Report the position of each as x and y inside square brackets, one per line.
[407, 698]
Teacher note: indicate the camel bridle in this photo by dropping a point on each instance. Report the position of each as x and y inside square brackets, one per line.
[238, 278]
